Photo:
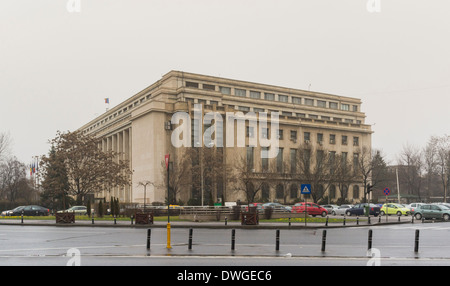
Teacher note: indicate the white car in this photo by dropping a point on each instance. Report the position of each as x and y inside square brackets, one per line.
[79, 210]
[340, 210]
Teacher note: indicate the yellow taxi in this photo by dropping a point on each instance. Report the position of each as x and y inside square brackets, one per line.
[396, 209]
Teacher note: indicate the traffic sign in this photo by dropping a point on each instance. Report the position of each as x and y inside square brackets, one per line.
[386, 191]
[166, 159]
[305, 189]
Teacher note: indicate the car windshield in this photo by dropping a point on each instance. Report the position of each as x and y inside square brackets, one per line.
[18, 208]
[444, 207]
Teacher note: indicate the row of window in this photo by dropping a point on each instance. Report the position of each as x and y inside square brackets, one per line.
[281, 167]
[277, 97]
[282, 113]
[306, 136]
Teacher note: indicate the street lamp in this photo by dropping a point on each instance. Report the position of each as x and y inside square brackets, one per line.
[145, 183]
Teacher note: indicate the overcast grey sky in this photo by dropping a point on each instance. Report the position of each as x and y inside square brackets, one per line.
[57, 67]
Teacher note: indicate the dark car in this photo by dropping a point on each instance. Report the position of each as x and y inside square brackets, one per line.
[358, 209]
[28, 211]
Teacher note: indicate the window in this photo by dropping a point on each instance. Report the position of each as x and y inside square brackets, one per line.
[280, 134]
[355, 163]
[321, 103]
[265, 160]
[355, 141]
[280, 160]
[264, 132]
[225, 90]
[309, 102]
[293, 135]
[293, 157]
[255, 109]
[307, 137]
[344, 139]
[297, 100]
[244, 108]
[250, 132]
[333, 105]
[355, 108]
[320, 138]
[269, 96]
[250, 159]
[240, 92]
[209, 87]
[282, 98]
[332, 139]
[345, 107]
[191, 84]
[255, 94]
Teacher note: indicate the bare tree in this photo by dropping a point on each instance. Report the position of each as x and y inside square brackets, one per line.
[371, 168]
[314, 168]
[89, 169]
[441, 149]
[5, 142]
[14, 184]
[249, 181]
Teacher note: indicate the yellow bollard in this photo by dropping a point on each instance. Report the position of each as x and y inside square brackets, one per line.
[168, 236]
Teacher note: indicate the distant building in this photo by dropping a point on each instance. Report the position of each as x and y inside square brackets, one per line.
[140, 129]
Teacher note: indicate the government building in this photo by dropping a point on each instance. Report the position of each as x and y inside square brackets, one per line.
[144, 129]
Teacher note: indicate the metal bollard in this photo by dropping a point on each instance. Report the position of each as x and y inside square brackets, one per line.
[226, 220]
[416, 241]
[368, 220]
[326, 222]
[289, 221]
[21, 218]
[343, 221]
[233, 238]
[115, 220]
[369, 242]
[92, 220]
[324, 239]
[149, 234]
[190, 239]
[277, 240]
[357, 220]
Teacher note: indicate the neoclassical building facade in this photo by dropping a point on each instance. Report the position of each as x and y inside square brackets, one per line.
[141, 130]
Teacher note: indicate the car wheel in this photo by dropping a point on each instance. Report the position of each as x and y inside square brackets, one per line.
[348, 213]
[418, 216]
[324, 214]
[382, 213]
[446, 217]
[399, 213]
[333, 213]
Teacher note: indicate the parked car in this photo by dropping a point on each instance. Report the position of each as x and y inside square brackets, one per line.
[358, 209]
[330, 208]
[413, 206]
[312, 209]
[277, 207]
[340, 210]
[258, 207]
[396, 209]
[79, 210]
[32, 210]
[429, 211]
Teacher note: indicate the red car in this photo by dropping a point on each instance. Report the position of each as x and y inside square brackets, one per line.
[312, 208]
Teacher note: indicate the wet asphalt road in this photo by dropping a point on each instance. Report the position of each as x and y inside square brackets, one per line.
[84, 245]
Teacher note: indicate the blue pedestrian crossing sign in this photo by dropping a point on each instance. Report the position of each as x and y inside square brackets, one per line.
[305, 189]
